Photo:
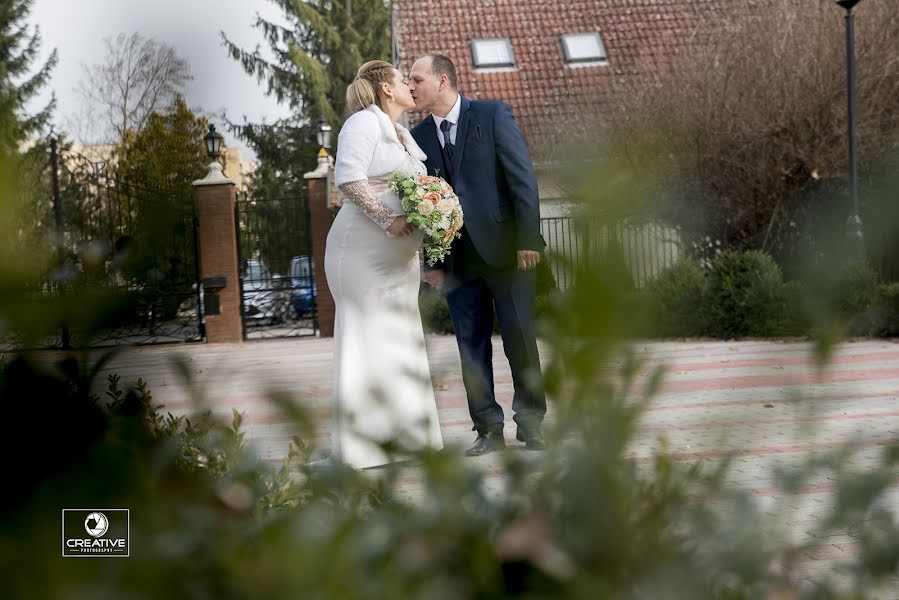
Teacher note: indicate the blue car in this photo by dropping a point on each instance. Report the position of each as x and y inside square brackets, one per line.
[302, 286]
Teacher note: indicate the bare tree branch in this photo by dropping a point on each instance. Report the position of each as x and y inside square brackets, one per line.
[138, 77]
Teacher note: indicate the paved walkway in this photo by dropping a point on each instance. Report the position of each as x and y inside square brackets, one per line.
[761, 401]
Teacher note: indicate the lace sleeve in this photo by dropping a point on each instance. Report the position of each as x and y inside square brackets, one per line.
[360, 194]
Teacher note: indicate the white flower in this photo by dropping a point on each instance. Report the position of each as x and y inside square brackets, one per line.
[425, 208]
[445, 206]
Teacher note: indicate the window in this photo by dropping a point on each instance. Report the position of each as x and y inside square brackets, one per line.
[582, 48]
[492, 53]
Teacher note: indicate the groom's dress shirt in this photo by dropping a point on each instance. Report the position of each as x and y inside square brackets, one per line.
[453, 118]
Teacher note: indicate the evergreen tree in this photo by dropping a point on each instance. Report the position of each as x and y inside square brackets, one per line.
[19, 46]
[317, 52]
[156, 170]
[168, 154]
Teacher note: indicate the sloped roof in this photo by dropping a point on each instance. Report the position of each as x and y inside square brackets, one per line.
[548, 96]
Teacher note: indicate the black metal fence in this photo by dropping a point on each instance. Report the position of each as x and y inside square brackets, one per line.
[121, 262]
[278, 292]
[644, 248]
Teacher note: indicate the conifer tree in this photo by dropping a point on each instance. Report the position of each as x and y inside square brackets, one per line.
[317, 52]
[19, 82]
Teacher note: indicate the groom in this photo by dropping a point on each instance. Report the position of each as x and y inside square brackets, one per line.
[477, 147]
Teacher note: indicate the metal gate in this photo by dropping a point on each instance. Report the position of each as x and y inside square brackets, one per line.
[277, 279]
[121, 261]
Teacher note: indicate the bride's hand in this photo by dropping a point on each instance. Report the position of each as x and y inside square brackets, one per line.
[399, 228]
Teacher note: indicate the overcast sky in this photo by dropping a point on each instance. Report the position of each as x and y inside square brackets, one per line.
[76, 28]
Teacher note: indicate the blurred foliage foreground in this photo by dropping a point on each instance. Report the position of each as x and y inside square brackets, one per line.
[582, 520]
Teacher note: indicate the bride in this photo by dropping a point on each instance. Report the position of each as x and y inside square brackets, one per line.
[382, 382]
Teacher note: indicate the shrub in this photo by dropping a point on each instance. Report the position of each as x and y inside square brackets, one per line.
[676, 297]
[745, 295]
[847, 299]
[854, 299]
[793, 318]
[854, 289]
[888, 300]
[435, 314]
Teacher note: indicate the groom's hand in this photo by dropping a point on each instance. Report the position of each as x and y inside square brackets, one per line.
[434, 278]
[528, 259]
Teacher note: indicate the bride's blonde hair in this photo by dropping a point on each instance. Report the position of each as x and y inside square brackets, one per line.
[366, 90]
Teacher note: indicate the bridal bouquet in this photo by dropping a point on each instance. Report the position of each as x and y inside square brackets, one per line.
[432, 206]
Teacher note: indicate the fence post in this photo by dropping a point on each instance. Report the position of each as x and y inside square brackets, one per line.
[321, 215]
[217, 234]
[60, 233]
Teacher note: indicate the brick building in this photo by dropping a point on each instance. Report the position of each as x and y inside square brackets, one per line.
[564, 67]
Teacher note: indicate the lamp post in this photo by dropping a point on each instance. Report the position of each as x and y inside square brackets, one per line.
[323, 134]
[213, 141]
[854, 230]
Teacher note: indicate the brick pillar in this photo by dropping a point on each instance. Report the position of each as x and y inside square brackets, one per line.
[215, 197]
[322, 208]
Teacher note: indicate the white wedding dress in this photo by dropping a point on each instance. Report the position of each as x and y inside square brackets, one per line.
[382, 382]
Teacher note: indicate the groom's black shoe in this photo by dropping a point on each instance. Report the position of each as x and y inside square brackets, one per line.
[533, 438]
[487, 443]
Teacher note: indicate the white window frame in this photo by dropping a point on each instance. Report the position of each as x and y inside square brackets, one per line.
[480, 66]
[586, 61]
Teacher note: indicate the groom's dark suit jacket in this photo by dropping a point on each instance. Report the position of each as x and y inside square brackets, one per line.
[493, 177]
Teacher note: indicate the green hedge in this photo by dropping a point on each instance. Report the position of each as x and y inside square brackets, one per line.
[673, 298]
[888, 300]
[744, 295]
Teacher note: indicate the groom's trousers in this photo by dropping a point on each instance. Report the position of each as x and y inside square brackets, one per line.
[473, 290]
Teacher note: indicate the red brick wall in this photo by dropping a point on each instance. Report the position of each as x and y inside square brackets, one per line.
[320, 218]
[218, 258]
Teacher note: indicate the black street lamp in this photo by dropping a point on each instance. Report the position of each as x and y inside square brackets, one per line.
[323, 134]
[213, 141]
[854, 230]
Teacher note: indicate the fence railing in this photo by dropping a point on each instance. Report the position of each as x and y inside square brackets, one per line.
[131, 250]
[645, 248]
[278, 292]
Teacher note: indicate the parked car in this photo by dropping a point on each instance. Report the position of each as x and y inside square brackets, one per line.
[264, 296]
[302, 286]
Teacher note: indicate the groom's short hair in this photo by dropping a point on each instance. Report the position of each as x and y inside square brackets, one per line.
[442, 65]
